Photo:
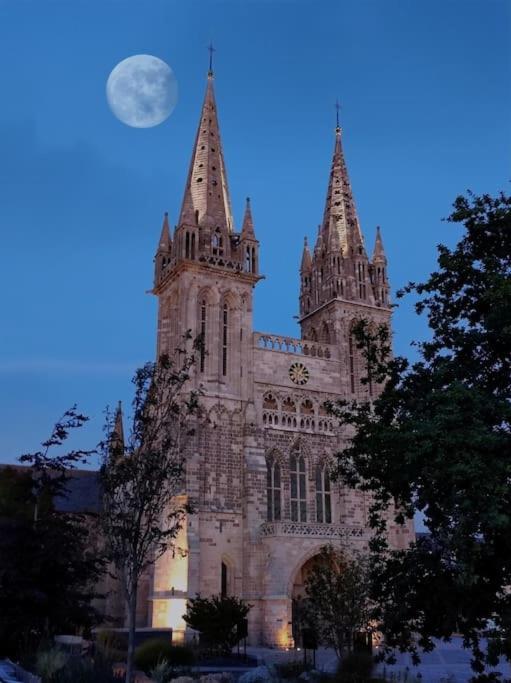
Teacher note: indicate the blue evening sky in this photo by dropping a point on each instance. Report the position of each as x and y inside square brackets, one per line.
[425, 93]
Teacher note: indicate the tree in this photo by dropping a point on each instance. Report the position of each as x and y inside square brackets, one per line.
[437, 441]
[48, 562]
[218, 619]
[337, 605]
[141, 480]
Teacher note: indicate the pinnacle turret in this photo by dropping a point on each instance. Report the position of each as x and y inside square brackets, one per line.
[306, 265]
[117, 435]
[378, 252]
[164, 251]
[380, 281]
[165, 242]
[247, 231]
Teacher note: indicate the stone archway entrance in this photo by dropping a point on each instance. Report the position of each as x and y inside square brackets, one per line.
[299, 598]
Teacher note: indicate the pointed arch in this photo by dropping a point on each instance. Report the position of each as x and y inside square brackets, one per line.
[204, 307]
[227, 576]
[273, 486]
[298, 484]
[323, 493]
[324, 334]
[229, 303]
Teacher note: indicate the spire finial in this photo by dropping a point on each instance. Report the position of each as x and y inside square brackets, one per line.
[211, 49]
[305, 241]
[337, 110]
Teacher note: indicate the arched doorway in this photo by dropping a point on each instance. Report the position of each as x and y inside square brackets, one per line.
[299, 597]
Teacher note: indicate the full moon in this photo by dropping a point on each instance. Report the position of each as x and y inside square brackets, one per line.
[142, 91]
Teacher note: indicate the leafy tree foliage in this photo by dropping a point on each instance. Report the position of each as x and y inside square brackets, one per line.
[48, 562]
[143, 479]
[217, 620]
[437, 441]
[338, 605]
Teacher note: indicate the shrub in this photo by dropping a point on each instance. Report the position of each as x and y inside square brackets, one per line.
[149, 654]
[162, 672]
[49, 663]
[77, 670]
[217, 619]
[356, 667]
[292, 669]
[112, 645]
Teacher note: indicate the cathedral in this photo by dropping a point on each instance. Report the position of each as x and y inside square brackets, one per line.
[258, 473]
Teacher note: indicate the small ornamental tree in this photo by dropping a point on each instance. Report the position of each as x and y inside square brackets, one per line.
[142, 477]
[48, 562]
[337, 605]
[218, 620]
[437, 441]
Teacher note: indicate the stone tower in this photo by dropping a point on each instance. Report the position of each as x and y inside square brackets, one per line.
[257, 473]
[339, 283]
[204, 276]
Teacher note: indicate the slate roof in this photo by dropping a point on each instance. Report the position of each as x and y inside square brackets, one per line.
[83, 491]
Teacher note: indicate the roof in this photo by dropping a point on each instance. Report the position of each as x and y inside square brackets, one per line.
[83, 490]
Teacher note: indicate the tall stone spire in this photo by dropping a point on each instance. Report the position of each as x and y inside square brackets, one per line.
[340, 227]
[206, 200]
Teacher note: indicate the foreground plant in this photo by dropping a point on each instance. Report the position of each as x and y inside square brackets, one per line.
[142, 478]
[437, 441]
[49, 563]
[337, 605]
[218, 620]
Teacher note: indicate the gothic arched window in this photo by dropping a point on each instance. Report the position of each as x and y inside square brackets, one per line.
[273, 490]
[298, 487]
[351, 346]
[217, 243]
[325, 333]
[323, 495]
[203, 321]
[225, 337]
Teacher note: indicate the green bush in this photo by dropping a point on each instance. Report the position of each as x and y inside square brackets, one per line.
[49, 663]
[292, 669]
[356, 667]
[77, 670]
[218, 620]
[112, 645]
[150, 653]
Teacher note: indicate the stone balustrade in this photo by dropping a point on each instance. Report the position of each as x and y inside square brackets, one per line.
[313, 530]
[303, 347]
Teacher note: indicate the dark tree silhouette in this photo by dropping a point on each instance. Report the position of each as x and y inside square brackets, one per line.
[438, 441]
[49, 564]
[143, 479]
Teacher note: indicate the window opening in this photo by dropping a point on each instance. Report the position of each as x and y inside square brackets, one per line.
[298, 495]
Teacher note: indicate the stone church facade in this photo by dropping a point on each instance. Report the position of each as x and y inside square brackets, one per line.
[258, 473]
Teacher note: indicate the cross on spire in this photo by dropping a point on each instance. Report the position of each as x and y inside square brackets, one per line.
[211, 49]
[337, 109]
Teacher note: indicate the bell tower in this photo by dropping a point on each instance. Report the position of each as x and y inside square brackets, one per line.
[339, 283]
[205, 272]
